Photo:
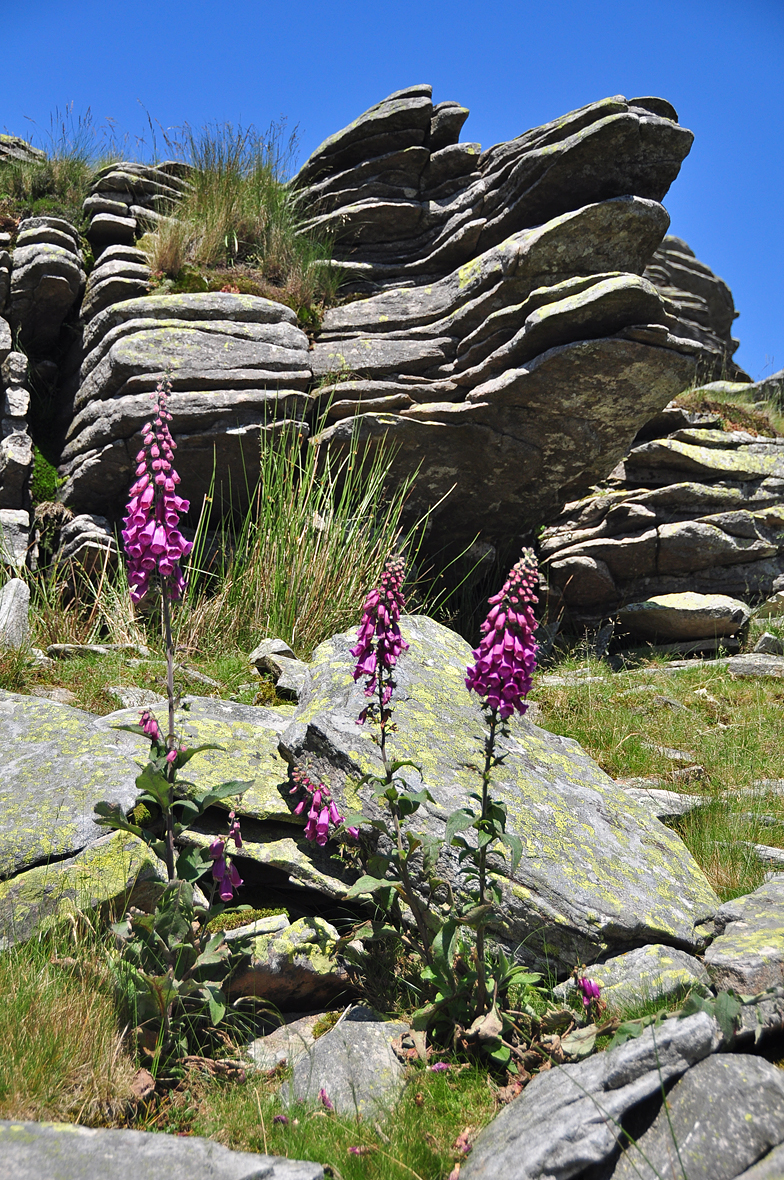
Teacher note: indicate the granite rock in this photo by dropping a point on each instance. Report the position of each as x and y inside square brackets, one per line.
[14, 612]
[239, 370]
[748, 952]
[46, 281]
[723, 1115]
[598, 875]
[685, 616]
[570, 1119]
[69, 1152]
[353, 1064]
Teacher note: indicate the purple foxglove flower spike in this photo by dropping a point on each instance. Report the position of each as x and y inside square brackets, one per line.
[151, 537]
[506, 656]
[379, 642]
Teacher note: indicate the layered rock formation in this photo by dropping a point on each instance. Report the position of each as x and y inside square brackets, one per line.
[239, 366]
[704, 305]
[692, 507]
[510, 342]
[127, 198]
[404, 199]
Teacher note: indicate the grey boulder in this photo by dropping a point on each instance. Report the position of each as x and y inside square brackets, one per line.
[569, 1119]
[14, 610]
[725, 1114]
[748, 952]
[62, 1151]
[353, 1064]
[599, 874]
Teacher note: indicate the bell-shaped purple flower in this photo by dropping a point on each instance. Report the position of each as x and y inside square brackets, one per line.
[506, 656]
[151, 537]
[379, 642]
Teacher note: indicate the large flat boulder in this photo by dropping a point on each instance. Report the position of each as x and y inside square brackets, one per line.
[68, 1152]
[599, 873]
[59, 761]
[116, 871]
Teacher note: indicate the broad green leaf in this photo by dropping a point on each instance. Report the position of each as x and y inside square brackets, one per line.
[727, 1009]
[215, 1001]
[366, 884]
[475, 916]
[457, 822]
[192, 863]
[214, 952]
[580, 1043]
[111, 815]
[186, 755]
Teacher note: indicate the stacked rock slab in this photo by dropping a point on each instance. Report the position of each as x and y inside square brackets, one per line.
[692, 507]
[239, 367]
[127, 198]
[704, 304]
[16, 445]
[46, 281]
[404, 199]
[122, 272]
[512, 345]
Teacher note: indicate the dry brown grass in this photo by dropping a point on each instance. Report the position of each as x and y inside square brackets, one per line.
[63, 1056]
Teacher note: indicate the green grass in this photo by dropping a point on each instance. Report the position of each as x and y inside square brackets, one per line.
[734, 729]
[737, 410]
[64, 1056]
[418, 1141]
[313, 543]
[57, 185]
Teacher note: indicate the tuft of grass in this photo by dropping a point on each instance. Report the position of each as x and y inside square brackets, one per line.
[239, 218]
[733, 729]
[58, 184]
[63, 1054]
[737, 409]
[314, 540]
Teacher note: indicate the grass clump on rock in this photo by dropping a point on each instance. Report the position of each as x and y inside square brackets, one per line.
[237, 227]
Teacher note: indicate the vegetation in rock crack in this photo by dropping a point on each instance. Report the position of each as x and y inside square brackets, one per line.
[56, 182]
[237, 226]
[738, 412]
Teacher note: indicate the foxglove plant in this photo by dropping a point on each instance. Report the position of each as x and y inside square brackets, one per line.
[321, 807]
[378, 647]
[502, 677]
[169, 957]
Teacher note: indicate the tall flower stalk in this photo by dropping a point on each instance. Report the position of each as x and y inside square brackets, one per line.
[155, 547]
[502, 677]
[377, 650]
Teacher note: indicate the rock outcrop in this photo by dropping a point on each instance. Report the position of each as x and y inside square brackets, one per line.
[46, 281]
[127, 198]
[692, 508]
[704, 305]
[404, 199]
[509, 339]
[239, 367]
[16, 445]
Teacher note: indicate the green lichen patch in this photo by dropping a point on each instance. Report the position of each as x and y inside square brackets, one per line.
[116, 871]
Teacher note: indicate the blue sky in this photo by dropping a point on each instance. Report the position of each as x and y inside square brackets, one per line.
[515, 64]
